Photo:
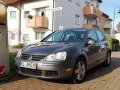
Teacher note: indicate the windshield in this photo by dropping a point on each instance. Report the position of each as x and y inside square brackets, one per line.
[66, 36]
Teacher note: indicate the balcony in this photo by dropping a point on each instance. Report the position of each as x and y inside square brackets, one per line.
[37, 22]
[90, 26]
[90, 11]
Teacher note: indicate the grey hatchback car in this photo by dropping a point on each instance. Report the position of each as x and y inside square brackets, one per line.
[64, 54]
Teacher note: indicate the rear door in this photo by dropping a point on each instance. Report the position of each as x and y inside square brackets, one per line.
[103, 43]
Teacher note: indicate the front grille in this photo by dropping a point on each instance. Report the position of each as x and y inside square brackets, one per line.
[51, 73]
[37, 57]
[38, 72]
[31, 71]
[25, 56]
[33, 57]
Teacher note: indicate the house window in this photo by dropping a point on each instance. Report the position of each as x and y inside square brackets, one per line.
[26, 13]
[87, 21]
[87, 3]
[12, 14]
[77, 19]
[42, 35]
[39, 35]
[13, 36]
[78, 2]
[70, 0]
[40, 12]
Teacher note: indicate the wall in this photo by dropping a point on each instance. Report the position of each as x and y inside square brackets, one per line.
[3, 39]
[70, 9]
[117, 36]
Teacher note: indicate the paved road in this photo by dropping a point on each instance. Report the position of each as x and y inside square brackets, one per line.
[100, 78]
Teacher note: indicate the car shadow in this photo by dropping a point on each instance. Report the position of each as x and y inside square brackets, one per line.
[101, 70]
[96, 72]
[11, 78]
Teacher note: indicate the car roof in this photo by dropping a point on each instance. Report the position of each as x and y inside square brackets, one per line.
[80, 29]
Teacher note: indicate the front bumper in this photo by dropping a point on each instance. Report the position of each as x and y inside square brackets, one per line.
[45, 70]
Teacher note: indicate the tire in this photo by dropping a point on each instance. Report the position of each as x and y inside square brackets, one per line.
[107, 60]
[79, 71]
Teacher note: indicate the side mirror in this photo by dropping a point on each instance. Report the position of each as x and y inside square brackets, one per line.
[91, 42]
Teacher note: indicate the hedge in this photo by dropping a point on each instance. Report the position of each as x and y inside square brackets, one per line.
[112, 42]
[19, 46]
[12, 56]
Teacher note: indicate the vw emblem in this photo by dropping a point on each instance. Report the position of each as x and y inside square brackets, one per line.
[30, 58]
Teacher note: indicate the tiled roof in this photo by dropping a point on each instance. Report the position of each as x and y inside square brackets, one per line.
[10, 1]
[100, 13]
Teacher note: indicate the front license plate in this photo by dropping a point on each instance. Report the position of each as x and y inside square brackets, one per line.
[28, 65]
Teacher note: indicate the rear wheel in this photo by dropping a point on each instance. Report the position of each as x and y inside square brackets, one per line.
[108, 60]
[79, 71]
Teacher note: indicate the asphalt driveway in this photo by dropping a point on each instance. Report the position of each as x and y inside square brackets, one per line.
[99, 78]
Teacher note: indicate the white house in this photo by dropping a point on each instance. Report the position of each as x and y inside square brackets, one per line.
[13, 25]
[117, 36]
[32, 20]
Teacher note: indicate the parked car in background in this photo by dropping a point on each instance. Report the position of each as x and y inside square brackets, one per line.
[64, 54]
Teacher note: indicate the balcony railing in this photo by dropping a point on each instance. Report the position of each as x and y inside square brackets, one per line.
[37, 22]
[108, 26]
[90, 11]
[90, 26]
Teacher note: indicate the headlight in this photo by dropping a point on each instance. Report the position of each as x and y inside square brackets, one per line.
[18, 54]
[60, 56]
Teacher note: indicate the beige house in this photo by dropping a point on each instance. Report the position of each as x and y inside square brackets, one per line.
[105, 23]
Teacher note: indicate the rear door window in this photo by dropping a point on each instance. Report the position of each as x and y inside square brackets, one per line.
[101, 35]
[92, 35]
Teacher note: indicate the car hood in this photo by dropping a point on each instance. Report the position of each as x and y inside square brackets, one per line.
[46, 48]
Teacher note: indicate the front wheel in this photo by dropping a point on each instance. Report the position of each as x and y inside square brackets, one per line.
[108, 60]
[79, 71]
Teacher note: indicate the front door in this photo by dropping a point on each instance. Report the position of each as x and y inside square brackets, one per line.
[92, 51]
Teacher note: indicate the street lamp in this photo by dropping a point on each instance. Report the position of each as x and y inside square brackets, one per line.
[112, 31]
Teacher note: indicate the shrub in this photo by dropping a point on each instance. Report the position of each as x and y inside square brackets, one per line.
[30, 16]
[112, 42]
[21, 45]
[12, 56]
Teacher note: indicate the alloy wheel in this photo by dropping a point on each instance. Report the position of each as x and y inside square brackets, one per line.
[108, 59]
[79, 71]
